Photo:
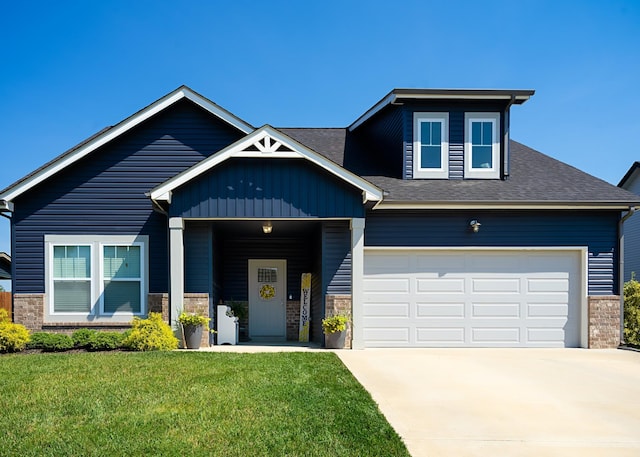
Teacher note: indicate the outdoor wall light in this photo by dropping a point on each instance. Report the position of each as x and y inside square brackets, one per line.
[267, 227]
[475, 225]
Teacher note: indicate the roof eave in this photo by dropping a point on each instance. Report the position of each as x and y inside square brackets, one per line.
[516, 96]
[558, 205]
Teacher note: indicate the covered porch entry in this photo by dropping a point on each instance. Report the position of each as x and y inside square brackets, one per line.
[316, 209]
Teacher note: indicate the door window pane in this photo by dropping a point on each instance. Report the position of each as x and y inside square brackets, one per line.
[267, 275]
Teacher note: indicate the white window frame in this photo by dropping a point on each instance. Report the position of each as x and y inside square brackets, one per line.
[97, 244]
[431, 173]
[482, 173]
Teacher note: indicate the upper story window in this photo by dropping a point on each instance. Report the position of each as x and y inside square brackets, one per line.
[482, 145]
[431, 145]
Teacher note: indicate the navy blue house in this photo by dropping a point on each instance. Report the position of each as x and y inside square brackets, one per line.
[422, 220]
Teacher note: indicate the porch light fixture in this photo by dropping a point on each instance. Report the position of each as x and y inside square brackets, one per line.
[267, 227]
[475, 225]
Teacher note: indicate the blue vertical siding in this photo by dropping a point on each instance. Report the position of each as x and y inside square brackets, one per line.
[267, 188]
[595, 230]
[105, 193]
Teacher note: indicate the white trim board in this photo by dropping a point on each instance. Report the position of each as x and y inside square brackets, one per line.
[124, 126]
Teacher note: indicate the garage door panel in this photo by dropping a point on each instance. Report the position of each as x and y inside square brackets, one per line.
[547, 309]
[430, 285]
[472, 298]
[384, 336]
[496, 286]
[496, 335]
[387, 285]
[386, 310]
[440, 310]
[441, 335]
[503, 310]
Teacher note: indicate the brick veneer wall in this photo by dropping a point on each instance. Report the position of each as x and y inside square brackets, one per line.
[604, 322]
[340, 304]
[159, 303]
[28, 310]
[199, 304]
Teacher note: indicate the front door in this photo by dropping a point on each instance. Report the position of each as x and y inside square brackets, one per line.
[267, 295]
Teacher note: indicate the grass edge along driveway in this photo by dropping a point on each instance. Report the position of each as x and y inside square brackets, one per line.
[188, 403]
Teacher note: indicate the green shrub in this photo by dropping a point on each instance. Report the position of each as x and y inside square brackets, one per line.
[82, 337]
[632, 311]
[13, 337]
[151, 334]
[51, 342]
[105, 341]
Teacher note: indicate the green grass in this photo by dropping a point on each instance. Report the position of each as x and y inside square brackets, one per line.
[188, 403]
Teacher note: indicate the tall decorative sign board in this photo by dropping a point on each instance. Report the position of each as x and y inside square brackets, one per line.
[305, 307]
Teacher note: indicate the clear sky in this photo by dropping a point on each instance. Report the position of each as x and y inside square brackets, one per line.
[70, 68]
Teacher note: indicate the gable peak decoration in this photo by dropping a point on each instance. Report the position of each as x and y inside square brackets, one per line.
[266, 142]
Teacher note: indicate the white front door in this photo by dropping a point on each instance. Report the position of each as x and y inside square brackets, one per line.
[267, 294]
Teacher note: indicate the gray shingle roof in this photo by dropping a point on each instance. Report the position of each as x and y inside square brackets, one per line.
[534, 178]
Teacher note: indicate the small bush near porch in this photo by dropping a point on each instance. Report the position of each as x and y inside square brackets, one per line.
[177, 403]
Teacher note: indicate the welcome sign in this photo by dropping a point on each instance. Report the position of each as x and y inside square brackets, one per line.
[305, 307]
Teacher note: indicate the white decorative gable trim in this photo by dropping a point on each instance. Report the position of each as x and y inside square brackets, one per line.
[112, 133]
[266, 142]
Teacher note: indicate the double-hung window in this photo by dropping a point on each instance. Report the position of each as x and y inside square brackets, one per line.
[95, 277]
[431, 145]
[482, 145]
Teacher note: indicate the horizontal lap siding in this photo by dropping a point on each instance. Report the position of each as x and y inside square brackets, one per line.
[273, 188]
[198, 253]
[105, 192]
[336, 258]
[596, 230]
[632, 239]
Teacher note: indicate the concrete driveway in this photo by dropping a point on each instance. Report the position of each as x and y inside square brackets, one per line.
[506, 402]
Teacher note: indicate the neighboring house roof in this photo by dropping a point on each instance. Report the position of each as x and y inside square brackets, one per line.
[625, 179]
[267, 143]
[5, 266]
[535, 180]
[110, 133]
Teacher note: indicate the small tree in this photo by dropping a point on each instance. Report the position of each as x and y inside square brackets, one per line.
[632, 311]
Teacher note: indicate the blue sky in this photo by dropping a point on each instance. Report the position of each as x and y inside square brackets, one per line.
[68, 69]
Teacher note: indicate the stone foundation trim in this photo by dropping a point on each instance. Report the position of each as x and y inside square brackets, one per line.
[340, 304]
[604, 321]
[199, 304]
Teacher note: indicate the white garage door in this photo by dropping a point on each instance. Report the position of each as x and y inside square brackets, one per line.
[472, 298]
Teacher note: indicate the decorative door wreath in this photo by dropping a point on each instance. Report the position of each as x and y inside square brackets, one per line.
[267, 292]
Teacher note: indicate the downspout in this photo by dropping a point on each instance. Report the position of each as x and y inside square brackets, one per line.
[631, 212]
[506, 133]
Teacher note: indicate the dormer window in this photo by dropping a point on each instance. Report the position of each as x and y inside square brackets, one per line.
[431, 145]
[482, 145]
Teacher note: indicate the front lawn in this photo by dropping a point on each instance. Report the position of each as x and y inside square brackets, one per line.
[188, 403]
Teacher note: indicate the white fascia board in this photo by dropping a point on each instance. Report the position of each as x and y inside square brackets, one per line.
[493, 205]
[6, 206]
[389, 99]
[121, 128]
[297, 151]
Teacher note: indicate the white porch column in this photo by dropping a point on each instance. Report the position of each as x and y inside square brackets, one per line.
[176, 268]
[357, 279]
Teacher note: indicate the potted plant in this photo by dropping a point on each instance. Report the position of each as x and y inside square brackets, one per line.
[192, 327]
[335, 330]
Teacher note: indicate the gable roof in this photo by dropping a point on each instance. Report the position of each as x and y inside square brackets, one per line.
[110, 133]
[628, 175]
[267, 143]
[536, 181]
